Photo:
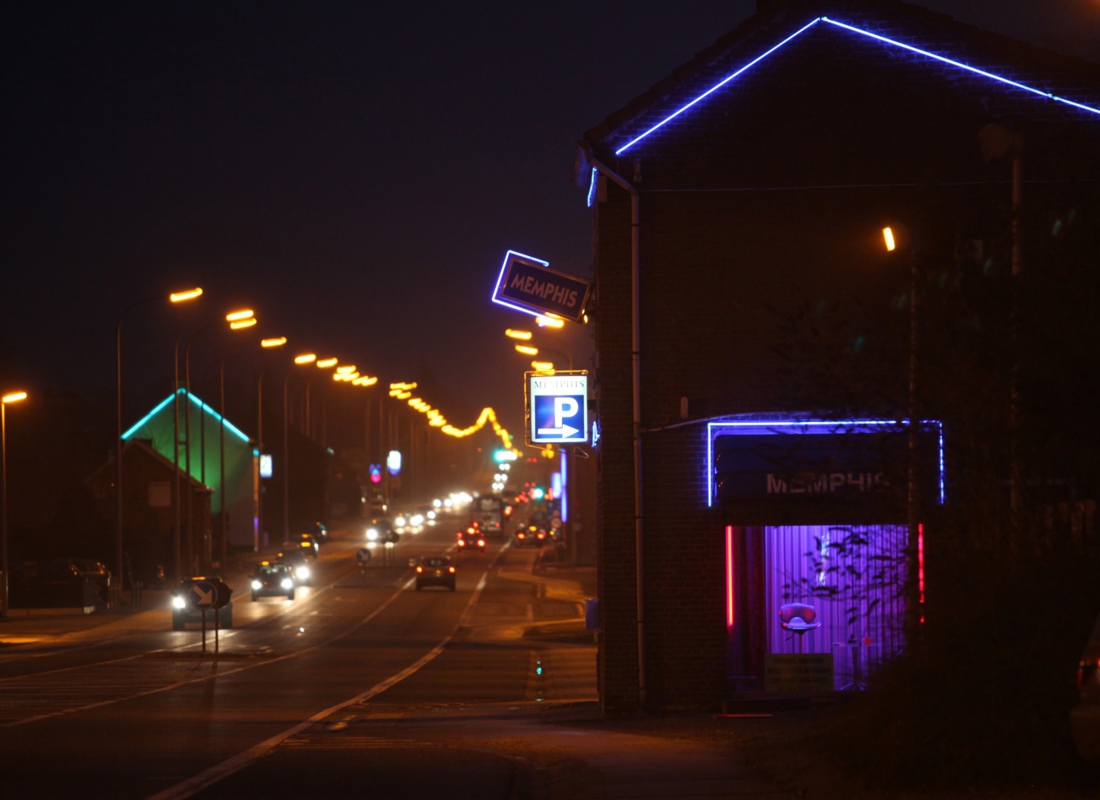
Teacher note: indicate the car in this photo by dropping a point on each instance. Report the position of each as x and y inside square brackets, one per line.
[435, 571]
[1084, 718]
[184, 612]
[272, 578]
[380, 530]
[529, 536]
[308, 544]
[471, 540]
[319, 532]
[296, 560]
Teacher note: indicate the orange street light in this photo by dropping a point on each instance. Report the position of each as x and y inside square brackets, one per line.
[183, 297]
[346, 369]
[277, 341]
[11, 397]
[326, 363]
[550, 322]
[242, 323]
[888, 238]
[305, 358]
[527, 350]
[512, 333]
[542, 366]
[244, 313]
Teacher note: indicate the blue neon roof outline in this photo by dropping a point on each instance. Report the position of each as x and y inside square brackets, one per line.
[500, 279]
[861, 32]
[850, 425]
[592, 186]
[229, 426]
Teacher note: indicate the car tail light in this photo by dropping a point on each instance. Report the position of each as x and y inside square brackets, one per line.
[419, 569]
[480, 542]
[450, 569]
[521, 535]
[461, 542]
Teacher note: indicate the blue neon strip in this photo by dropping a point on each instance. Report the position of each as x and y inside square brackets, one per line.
[848, 426]
[500, 279]
[228, 425]
[884, 39]
[715, 88]
[147, 417]
[591, 187]
[960, 65]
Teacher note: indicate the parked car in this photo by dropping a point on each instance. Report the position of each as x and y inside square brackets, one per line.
[1084, 717]
[184, 612]
[435, 571]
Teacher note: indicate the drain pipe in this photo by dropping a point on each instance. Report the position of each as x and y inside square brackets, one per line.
[636, 386]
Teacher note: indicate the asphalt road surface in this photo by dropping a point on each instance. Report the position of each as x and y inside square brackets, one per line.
[305, 697]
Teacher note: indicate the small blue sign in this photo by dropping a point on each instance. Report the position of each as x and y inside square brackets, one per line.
[527, 284]
[204, 594]
[558, 408]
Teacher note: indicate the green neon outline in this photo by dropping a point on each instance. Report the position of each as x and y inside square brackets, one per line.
[218, 417]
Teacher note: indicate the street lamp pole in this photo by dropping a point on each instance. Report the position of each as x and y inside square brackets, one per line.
[13, 397]
[175, 297]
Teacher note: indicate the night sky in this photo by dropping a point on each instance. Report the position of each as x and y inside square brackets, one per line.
[353, 173]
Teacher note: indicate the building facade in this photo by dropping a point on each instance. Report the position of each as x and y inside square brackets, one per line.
[742, 277]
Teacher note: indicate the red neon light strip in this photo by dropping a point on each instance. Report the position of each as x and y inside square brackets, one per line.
[729, 576]
[920, 566]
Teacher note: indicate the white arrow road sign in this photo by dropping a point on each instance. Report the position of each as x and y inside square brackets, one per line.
[203, 594]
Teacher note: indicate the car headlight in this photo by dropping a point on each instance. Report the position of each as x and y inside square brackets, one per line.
[431, 515]
[287, 583]
[372, 534]
[399, 522]
[257, 585]
[417, 519]
[302, 573]
[178, 602]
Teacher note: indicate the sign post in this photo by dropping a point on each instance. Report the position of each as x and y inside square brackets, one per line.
[214, 594]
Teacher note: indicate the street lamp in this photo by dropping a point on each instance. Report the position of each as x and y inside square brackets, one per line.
[266, 344]
[175, 298]
[892, 239]
[12, 397]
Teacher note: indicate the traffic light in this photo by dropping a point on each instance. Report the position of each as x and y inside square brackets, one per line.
[538, 493]
[375, 473]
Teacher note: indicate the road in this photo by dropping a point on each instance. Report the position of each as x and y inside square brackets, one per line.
[303, 698]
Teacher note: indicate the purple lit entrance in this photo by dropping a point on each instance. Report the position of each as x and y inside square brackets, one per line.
[803, 589]
[852, 576]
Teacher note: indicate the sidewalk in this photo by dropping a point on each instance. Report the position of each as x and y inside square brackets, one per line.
[25, 630]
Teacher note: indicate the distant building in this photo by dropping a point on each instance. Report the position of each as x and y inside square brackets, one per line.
[746, 192]
[201, 433]
[148, 518]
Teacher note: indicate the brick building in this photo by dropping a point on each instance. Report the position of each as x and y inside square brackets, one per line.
[744, 196]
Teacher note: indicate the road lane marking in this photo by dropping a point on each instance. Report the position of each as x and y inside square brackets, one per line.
[219, 772]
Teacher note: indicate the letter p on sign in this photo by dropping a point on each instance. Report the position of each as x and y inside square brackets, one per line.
[564, 408]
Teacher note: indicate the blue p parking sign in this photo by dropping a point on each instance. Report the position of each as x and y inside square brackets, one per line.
[557, 409]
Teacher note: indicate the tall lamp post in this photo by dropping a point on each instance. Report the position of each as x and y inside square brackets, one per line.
[175, 297]
[12, 397]
[891, 240]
